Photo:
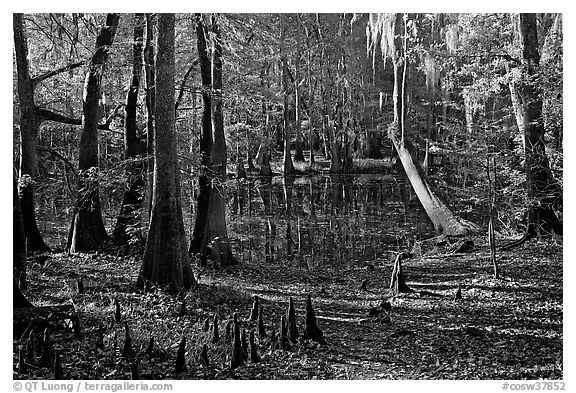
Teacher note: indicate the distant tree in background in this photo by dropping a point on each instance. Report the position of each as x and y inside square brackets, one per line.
[215, 243]
[206, 142]
[287, 89]
[127, 229]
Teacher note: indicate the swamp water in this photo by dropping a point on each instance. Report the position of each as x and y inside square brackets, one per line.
[306, 221]
[323, 220]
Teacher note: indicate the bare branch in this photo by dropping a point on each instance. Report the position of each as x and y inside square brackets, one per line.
[184, 80]
[60, 156]
[39, 78]
[111, 117]
[57, 117]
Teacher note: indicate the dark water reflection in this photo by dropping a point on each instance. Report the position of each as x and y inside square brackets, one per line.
[306, 221]
[338, 220]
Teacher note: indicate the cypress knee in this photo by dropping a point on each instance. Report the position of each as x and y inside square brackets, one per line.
[58, 370]
[312, 331]
[22, 369]
[255, 308]
[261, 329]
[150, 348]
[215, 332]
[46, 348]
[31, 348]
[244, 344]
[254, 358]
[204, 356]
[397, 281]
[237, 359]
[128, 351]
[180, 357]
[283, 338]
[228, 330]
[291, 329]
[135, 370]
[117, 313]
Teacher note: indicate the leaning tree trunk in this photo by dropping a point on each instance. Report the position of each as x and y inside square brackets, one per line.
[165, 262]
[87, 231]
[30, 120]
[215, 243]
[542, 191]
[205, 141]
[444, 221]
[126, 231]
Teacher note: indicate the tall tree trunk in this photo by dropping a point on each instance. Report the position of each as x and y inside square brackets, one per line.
[328, 122]
[19, 255]
[215, 243]
[299, 152]
[165, 262]
[444, 221]
[264, 158]
[150, 69]
[286, 89]
[311, 139]
[345, 101]
[87, 231]
[126, 231]
[30, 120]
[206, 141]
[468, 113]
[542, 191]
[19, 242]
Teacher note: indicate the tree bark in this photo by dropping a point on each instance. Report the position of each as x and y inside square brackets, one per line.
[444, 221]
[18, 298]
[19, 255]
[87, 231]
[206, 141]
[19, 242]
[299, 152]
[165, 262]
[126, 231]
[150, 68]
[30, 120]
[542, 191]
[288, 165]
[311, 108]
[264, 157]
[215, 243]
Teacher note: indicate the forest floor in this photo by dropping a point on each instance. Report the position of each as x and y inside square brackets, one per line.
[507, 328]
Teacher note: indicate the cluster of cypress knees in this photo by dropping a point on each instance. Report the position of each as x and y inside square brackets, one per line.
[241, 347]
[38, 351]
